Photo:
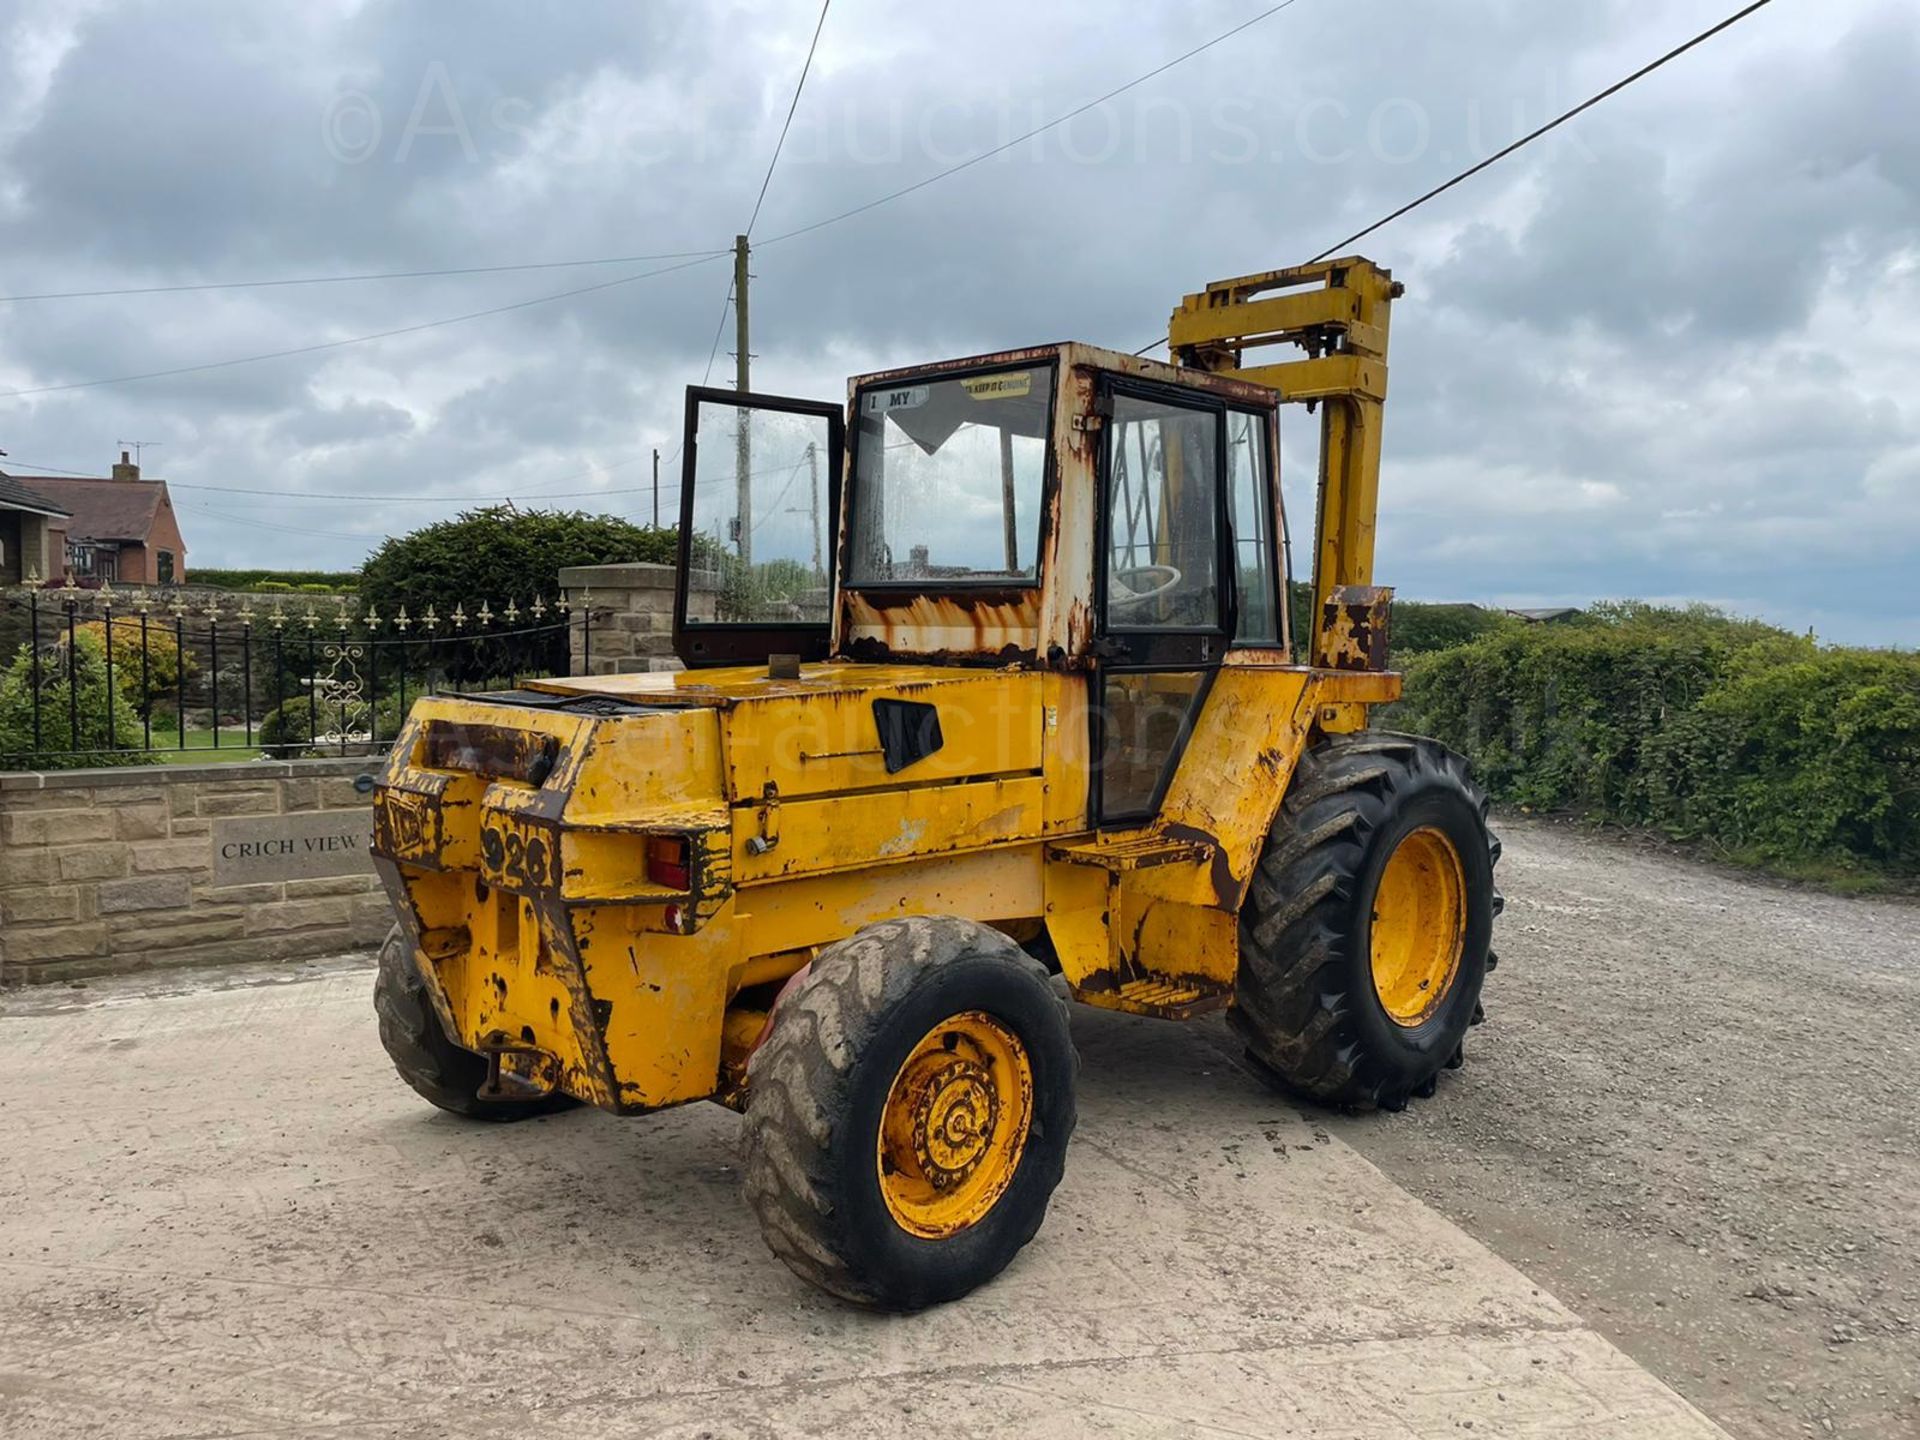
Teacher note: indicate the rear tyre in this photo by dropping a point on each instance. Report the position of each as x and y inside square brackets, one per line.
[1364, 935]
[416, 1042]
[908, 1114]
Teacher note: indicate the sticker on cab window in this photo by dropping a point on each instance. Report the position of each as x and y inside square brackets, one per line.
[1000, 387]
[907, 397]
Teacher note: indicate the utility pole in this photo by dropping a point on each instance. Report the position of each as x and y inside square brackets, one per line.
[743, 452]
[656, 487]
[813, 486]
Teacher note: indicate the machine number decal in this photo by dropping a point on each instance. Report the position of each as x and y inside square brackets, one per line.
[517, 861]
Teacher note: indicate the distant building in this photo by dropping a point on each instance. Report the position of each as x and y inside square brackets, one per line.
[119, 528]
[1546, 615]
[33, 534]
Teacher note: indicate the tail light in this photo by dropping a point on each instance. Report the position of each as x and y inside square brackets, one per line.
[668, 862]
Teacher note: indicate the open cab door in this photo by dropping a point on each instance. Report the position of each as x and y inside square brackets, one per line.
[759, 497]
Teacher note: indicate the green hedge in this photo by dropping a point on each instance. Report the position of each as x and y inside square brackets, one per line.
[1774, 749]
[311, 581]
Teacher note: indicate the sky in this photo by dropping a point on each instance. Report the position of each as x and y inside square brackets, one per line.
[1670, 352]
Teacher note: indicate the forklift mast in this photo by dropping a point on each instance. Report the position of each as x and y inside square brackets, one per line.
[1336, 311]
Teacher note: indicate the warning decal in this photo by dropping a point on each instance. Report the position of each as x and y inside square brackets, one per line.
[1000, 387]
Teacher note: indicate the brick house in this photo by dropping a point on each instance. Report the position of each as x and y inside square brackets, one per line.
[121, 528]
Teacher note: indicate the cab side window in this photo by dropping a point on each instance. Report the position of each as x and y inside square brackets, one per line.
[1250, 503]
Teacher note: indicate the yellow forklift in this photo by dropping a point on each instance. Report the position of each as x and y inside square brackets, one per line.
[991, 697]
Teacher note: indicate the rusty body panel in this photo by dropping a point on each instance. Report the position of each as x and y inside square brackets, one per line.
[1354, 627]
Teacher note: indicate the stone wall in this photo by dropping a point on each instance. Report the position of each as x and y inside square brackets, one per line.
[632, 608]
[106, 871]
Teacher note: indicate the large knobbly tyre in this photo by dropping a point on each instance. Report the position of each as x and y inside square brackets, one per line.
[908, 1114]
[1364, 935]
[427, 1060]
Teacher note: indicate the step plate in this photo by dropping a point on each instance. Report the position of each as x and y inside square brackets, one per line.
[1139, 854]
[1158, 996]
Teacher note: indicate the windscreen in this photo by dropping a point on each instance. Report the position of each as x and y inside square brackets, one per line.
[947, 481]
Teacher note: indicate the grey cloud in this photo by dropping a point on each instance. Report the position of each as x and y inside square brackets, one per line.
[1660, 354]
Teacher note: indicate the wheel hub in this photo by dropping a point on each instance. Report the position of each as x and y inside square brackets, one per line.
[955, 1125]
[1418, 930]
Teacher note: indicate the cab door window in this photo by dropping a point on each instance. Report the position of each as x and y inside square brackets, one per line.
[1162, 494]
[1164, 616]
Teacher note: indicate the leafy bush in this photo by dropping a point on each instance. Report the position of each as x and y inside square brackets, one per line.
[164, 660]
[286, 732]
[107, 729]
[496, 556]
[769, 590]
[1703, 725]
[275, 581]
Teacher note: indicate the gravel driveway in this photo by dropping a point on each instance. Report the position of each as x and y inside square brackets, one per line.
[1694, 1115]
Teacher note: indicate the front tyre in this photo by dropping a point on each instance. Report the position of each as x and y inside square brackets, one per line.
[908, 1114]
[1364, 936]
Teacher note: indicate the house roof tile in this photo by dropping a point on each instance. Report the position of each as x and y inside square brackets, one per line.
[16, 496]
[104, 509]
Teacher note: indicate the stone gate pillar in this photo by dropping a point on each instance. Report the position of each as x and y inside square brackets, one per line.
[632, 617]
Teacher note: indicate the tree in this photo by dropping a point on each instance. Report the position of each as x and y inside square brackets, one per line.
[496, 556]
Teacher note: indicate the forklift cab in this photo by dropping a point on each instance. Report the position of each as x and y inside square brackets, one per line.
[1061, 508]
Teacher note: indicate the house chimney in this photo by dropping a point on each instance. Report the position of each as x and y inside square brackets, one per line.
[126, 469]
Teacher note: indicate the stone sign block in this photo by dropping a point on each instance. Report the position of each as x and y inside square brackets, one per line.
[292, 847]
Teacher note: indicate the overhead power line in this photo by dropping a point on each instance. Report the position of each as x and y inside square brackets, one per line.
[1524, 140]
[703, 258]
[773, 163]
[1052, 124]
[718, 330]
[786, 125]
[19, 468]
[354, 279]
[1554, 124]
[230, 516]
[470, 499]
[342, 344]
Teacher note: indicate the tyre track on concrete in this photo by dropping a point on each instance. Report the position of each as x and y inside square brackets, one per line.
[224, 1215]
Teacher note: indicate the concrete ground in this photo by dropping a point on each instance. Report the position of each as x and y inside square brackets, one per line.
[222, 1216]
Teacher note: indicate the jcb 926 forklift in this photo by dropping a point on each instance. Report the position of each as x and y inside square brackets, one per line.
[990, 680]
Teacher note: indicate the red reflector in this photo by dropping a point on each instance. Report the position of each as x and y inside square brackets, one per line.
[667, 862]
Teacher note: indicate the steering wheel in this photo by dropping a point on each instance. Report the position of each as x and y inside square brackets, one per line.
[1121, 593]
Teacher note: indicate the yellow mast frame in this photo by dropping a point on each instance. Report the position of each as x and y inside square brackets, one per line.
[1337, 312]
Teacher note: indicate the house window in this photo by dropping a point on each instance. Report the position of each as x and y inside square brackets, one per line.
[165, 570]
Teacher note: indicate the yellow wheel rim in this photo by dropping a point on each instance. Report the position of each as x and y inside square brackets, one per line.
[1419, 926]
[955, 1125]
